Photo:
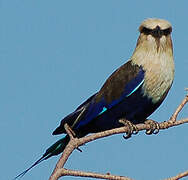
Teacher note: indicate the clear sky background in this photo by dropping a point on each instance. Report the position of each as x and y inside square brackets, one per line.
[54, 55]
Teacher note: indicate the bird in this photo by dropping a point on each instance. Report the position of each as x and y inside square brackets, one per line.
[133, 91]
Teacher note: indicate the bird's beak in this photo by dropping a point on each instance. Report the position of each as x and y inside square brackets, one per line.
[157, 33]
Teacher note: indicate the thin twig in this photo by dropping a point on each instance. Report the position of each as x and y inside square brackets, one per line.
[174, 116]
[69, 131]
[181, 175]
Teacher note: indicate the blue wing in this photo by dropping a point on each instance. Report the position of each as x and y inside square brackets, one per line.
[112, 93]
[120, 85]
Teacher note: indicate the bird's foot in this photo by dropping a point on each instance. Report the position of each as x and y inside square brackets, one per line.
[132, 129]
[154, 127]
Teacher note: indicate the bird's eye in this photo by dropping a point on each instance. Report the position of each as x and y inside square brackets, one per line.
[146, 31]
[167, 31]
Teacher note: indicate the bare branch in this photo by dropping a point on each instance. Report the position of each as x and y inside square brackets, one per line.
[65, 172]
[174, 116]
[179, 176]
[74, 143]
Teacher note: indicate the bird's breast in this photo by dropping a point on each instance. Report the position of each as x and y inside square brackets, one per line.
[159, 75]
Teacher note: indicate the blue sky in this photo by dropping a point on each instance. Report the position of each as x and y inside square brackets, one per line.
[55, 54]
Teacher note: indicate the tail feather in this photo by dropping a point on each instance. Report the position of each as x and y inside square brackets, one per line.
[53, 150]
[24, 172]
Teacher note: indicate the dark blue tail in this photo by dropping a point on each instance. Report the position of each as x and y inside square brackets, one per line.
[53, 150]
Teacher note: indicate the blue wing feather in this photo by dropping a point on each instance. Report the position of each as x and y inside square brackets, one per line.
[95, 109]
[120, 85]
[129, 88]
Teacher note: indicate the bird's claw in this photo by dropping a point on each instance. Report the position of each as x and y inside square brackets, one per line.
[154, 127]
[132, 129]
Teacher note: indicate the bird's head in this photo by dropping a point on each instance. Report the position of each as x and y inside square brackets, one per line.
[155, 34]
